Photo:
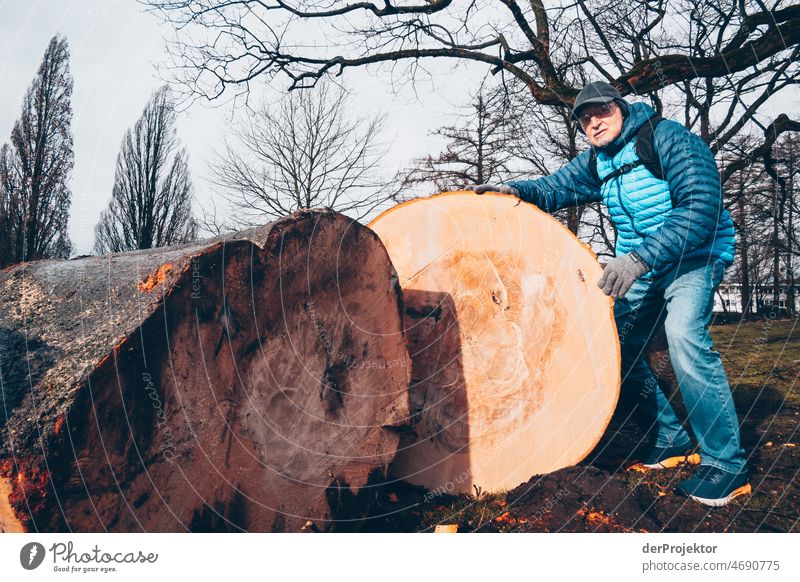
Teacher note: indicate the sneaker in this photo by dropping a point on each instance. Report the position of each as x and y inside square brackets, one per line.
[667, 457]
[715, 487]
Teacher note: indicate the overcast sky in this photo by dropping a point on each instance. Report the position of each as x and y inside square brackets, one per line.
[115, 49]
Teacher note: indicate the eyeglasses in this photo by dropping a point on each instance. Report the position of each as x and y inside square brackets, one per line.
[601, 110]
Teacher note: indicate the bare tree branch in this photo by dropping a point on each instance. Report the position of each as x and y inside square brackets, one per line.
[781, 124]
[245, 44]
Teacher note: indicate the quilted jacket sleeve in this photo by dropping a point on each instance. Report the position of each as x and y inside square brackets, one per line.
[572, 185]
[694, 184]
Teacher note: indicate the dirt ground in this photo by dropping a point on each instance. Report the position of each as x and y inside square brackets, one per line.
[762, 360]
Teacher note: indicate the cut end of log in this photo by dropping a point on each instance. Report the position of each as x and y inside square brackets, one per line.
[514, 347]
[9, 523]
[217, 386]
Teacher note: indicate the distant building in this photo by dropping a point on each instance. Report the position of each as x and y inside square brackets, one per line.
[729, 299]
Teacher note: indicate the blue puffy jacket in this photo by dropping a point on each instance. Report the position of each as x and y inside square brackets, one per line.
[661, 220]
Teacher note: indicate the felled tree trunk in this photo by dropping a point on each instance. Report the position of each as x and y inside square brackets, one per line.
[516, 362]
[233, 384]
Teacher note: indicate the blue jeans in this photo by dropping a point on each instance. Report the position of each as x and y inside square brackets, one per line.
[685, 296]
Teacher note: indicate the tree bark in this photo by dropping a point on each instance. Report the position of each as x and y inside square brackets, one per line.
[516, 361]
[790, 289]
[241, 383]
[777, 209]
[744, 238]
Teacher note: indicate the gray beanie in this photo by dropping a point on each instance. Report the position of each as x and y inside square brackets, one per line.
[598, 92]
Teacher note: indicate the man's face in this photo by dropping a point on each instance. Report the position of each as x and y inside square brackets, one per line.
[602, 122]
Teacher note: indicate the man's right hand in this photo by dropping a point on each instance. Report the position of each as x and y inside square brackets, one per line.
[481, 188]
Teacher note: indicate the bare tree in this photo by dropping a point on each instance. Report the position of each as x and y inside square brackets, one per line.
[764, 199]
[11, 210]
[783, 165]
[151, 202]
[302, 152]
[479, 147]
[641, 46]
[745, 194]
[35, 169]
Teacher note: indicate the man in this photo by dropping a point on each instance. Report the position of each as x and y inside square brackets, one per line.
[674, 242]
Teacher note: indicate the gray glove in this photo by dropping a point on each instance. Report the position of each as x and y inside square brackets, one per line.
[481, 188]
[620, 273]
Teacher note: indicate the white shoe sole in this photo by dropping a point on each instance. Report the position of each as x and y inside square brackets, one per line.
[693, 459]
[743, 490]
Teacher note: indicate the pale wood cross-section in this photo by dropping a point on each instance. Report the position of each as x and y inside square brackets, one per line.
[516, 363]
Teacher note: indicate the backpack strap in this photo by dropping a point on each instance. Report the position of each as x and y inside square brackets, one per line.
[645, 149]
[593, 167]
[623, 169]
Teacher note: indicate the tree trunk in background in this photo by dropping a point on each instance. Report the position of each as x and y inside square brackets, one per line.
[516, 362]
[572, 220]
[790, 292]
[240, 383]
[744, 253]
[776, 247]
